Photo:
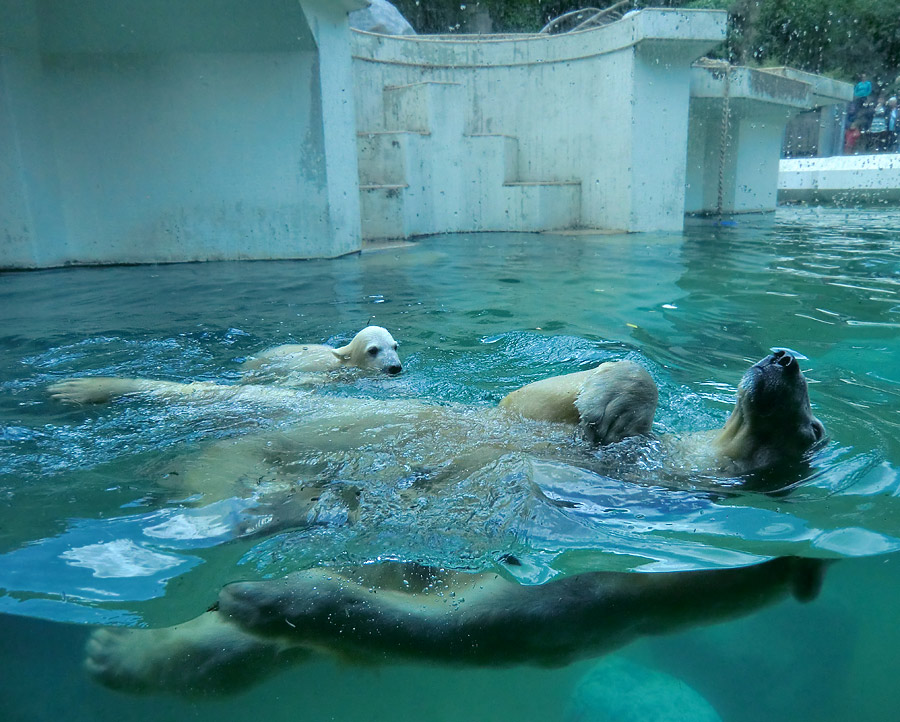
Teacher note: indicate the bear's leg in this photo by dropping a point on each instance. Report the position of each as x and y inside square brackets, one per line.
[488, 619]
[95, 389]
[377, 613]
[207, 654]
[102, 389]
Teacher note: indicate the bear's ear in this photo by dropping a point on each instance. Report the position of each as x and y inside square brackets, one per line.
[342, 353]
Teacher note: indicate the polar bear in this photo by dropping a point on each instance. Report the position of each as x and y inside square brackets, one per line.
[372, 349]
[612, 402]
[433, 441]
[403, 612]
[770, 431]
[378, 438]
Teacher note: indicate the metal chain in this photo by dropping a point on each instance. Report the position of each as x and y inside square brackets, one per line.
[723, 144]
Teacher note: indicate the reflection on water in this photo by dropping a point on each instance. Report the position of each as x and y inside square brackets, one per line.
[101, 515]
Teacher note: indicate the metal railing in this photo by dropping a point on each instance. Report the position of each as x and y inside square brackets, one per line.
[587, 18]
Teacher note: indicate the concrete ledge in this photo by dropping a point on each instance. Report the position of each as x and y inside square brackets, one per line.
[734, 148]
[377, 133]
[825, 91]
[159, 131]
[706, 27]
[711, 79]
[543, 183]
[841, 179]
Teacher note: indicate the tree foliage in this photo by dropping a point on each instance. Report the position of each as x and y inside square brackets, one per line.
[840, 38]
[837, 37]
[508, 16]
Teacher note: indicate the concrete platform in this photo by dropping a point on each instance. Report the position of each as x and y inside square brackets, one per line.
[529, 132]
[737, 122]
[160, 131]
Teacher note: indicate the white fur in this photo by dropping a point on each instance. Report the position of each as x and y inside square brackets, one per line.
[611, 402]
[372, 349]
[257, 627]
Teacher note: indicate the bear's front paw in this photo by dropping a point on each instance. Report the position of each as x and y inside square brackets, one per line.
[617, 401]
[299, 606]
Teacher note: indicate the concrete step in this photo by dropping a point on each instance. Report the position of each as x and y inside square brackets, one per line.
[397, 211]
[385, 157]
[381, 211]
[497, 154]
[423, 175]
[541, 205]
[428, 107]
[382, 157]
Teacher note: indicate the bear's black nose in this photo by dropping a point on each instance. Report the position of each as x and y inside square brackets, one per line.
[784, 358]
[395, 369]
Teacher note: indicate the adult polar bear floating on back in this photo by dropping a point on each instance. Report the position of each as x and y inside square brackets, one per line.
[428, 440]
[616, 400]
[455, 617]
[372, 349]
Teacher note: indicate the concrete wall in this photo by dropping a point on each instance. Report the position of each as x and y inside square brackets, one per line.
[175, 130]
[815, 133]
[604, 109]
[165, 130]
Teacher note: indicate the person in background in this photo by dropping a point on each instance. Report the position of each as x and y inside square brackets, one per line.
[892, 123]
[863, 89]
[851, 137]
[864, 119]
[861, 92]
[878, 127]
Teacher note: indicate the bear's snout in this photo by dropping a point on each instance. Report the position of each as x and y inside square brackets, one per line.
[394, 369]
[784, 358]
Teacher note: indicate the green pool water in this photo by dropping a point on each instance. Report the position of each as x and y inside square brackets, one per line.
[85, 502]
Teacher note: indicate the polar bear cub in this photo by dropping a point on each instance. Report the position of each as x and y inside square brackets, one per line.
[372, 349]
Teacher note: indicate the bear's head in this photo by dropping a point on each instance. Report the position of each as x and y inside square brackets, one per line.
[372, 349]
[772, 424]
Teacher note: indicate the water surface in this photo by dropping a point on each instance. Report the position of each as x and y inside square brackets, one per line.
[96, 526]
